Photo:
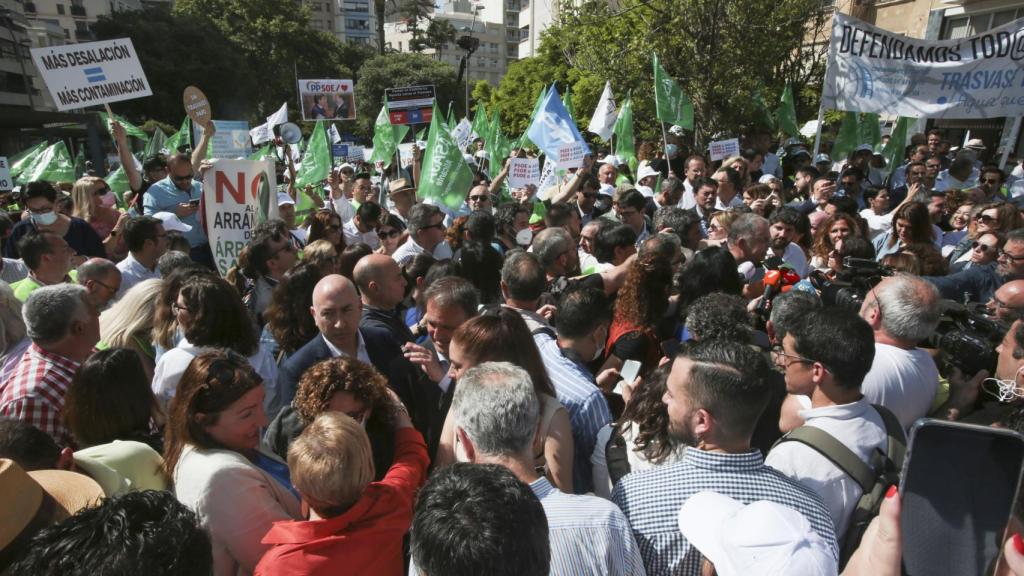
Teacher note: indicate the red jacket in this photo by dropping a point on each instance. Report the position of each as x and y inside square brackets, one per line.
[367, 538]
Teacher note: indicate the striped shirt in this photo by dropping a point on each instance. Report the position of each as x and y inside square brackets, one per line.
[589, 535]
[588, 410]
[651, 500]
[35, 391]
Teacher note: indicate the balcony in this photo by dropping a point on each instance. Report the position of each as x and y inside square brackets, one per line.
[78, 11]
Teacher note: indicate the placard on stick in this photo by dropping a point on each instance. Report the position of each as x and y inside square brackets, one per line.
[197, 106]
[523, 172]
[722, 149]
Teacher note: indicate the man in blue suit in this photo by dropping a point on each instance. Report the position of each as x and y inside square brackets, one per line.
[337, 310]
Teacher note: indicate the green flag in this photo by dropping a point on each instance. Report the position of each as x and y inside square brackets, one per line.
[386, 137]
[625, 148]
[524, 139]
[129, 128]
[567, 102]
[315, 167]
[481, 123]
[785, 114]
[893, 151]
[673, 106]
[847, 138]
[497, 144]
[445, 175]
[265, 151]
[156, 143]
[80, 162]
[24, 159]
[451, 117]
[421, 136]
[182, 137]
[118, 182]
[52, 165]
[764, 115]
[869, 130]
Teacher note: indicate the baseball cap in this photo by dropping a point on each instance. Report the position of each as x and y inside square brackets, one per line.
[283, 198]
[822, 158]
[645, 171]
[676, 131]
[766, 179]
[172, 222]
[762, 538]
[975, 144]
[607, 190]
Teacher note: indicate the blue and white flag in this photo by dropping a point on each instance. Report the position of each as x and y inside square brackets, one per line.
[554, 132]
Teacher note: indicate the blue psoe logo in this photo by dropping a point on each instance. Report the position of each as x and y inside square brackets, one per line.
[95, 74]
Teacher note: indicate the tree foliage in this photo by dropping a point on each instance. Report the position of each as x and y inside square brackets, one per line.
[721, 52]
[277, 44]
[396, 70]
[176, 51]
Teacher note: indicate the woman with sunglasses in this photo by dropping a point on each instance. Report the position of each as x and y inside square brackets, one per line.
[992, 217]
[958, 223]
[40, 201]
[96, 204]
[212, 458]
[391, 232]
[326, 225]
[984, 252]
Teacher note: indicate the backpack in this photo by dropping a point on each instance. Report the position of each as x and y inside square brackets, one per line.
[874, 478]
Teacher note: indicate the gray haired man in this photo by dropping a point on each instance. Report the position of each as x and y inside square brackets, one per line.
[64, 326]
[426, 235]
[496, 413]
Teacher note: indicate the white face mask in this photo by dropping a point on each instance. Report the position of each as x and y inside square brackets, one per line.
[44, 219]
[524, 237]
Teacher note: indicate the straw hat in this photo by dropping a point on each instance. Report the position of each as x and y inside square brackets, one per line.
[22, 493]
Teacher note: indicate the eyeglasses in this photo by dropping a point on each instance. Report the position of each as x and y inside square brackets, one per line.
[990, 181]
[981, 247]
[986, 219]
[288, 247]
[394, 233]
[182, 178]
[480, 198]
[105, 285]
[783, 360]
[1003, 253]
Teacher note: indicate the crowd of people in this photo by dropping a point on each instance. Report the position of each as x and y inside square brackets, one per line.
[615, 375]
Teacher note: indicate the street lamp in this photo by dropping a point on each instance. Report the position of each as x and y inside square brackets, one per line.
[470, 44]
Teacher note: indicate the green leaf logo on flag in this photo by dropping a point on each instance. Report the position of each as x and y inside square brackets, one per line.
[156, 143]
[672, 105]
[445, 176]
[786, 114]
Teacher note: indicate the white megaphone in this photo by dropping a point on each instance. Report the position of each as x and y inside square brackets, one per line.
[290, 133]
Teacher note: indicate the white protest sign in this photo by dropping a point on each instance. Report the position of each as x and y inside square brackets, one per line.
[80, 75]
[231, 140]
[405, 153]
[874, 70]
[5, 174]
[722, 149]
[523, 172]
[548, 179]
[463, 133]
[571, 155]
[356, 153]
[237, 195]
[261, 134]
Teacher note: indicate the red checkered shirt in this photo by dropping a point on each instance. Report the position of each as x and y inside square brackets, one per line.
[34, 393]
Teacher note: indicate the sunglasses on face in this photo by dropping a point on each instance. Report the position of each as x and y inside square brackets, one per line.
[439, 226]
[983, 248]
[990, 181]
[986, 219]
[182, 178]
[389, 233]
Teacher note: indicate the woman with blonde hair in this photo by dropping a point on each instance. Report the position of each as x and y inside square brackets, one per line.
[129, 322]
[95, 203]
[322, 254]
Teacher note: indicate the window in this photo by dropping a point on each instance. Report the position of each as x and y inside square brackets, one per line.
[315, 6]
[357, 24]
[11, 82]
[60, 9]
[968, 25]
[356, 7]
[67, 34]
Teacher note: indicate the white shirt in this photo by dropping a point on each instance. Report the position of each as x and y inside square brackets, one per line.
[688, 200]
[344, 208]
[737, 200]
[361, 353]
[172, 365]
[637, 461]
[857, 426]
[354, 236]
[904, 381]
[877, 223]
[410, 248]
[795, 257]
[133, 272]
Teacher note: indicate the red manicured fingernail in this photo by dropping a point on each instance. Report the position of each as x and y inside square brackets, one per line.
[891, 492]
[1018, 543]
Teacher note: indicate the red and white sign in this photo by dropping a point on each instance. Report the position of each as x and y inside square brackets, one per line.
[722, 149]
[327, 99]
[523, 171]
[571, 155]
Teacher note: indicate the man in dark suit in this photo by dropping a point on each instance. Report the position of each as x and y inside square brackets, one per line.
[382, 288]
[336, 310]
[449, 302]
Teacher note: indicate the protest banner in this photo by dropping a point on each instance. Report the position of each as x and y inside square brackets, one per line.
[197, 106]
[554, 132]
[523, 172]
[231, 140]
[570, 155]
[327, 100]
[80, 75]
[722, 149]
[5, 175]
[463, 133]
[874, 70]
[410, 104]
[237, 195]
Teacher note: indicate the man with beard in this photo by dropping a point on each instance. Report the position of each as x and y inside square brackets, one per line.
[715, 394]
[786, 227]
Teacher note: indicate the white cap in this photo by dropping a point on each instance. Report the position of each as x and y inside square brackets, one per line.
[975, 144]
[607, 190]
[645, 171]
[758, 539]
[822, 158]
[172, 222]
[283, 198]
[766, 179]
[611, 159]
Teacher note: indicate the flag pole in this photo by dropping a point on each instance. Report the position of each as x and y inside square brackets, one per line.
[664, 140]
[817, 135]
[1010, 142]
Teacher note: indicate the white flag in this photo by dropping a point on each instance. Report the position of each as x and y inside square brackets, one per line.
[602, 122]
[277, 118]
[261, 134]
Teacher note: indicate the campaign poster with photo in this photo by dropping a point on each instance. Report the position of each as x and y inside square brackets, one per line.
[327, 100]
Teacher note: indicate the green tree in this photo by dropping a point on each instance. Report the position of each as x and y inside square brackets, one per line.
[274, 38]
[440, 32]
[177, 50]
[394, 70]
[482, 94]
